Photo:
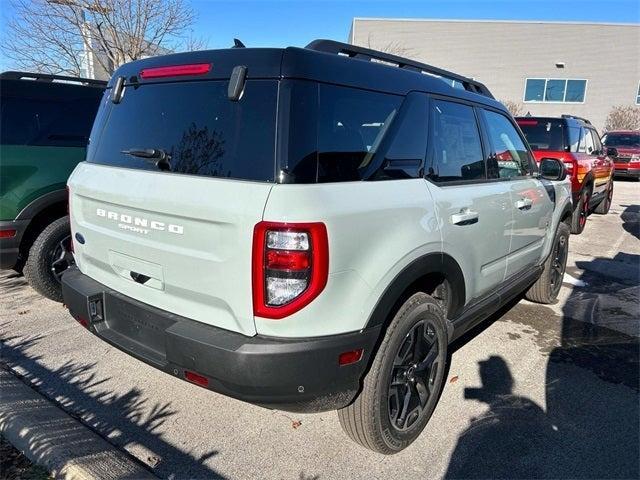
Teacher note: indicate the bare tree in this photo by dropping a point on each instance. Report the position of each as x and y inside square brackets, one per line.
[72, 36]
[393, 47]
[623, 118]
[515, 108]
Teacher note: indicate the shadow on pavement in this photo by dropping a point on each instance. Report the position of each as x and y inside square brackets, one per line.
[589, 427]
[631, 219]
[125, 419]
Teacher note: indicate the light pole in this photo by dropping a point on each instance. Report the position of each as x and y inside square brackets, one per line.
[85, 31]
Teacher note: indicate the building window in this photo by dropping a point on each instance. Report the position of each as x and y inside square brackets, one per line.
[556, 90]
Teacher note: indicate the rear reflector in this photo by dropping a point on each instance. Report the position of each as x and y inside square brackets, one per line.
[82, 321]
[287, 260]
[175, 71]
[196, 378]
[8, 233]
[352, 356]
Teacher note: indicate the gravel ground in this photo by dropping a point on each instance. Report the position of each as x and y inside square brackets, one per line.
[537, 391]
[15, 466]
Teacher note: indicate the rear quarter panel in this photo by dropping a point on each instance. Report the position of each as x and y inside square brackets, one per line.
[375, 230]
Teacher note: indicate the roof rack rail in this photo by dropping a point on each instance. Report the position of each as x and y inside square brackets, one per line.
[353, 51]
[47, 77]
[566, 115]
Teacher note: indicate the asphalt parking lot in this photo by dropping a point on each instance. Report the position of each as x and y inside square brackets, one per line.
[536, 392]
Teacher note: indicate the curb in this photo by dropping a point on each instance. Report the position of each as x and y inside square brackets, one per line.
[51, 438]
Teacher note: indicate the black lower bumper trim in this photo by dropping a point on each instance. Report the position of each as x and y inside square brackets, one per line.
[301, 375]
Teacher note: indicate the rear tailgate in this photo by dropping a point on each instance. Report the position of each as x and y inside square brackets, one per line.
[178, 235]
[191, 236]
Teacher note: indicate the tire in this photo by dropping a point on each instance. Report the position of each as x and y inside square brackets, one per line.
[49, 257]
[375, 419]
[581, 212]
[546, 288]
[604, 206]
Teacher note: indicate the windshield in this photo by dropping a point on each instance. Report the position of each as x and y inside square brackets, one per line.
[544, 134]
[622, 140]
[195, 126]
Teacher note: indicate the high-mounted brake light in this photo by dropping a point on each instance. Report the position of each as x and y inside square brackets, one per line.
[527, 122]
[175, 71]
[290, 266]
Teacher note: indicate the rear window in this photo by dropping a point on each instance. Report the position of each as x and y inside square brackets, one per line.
[622, 140]
[31, 118]
[196, 125]
[544, 134]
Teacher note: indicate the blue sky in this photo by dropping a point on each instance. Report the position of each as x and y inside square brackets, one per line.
[296, 22]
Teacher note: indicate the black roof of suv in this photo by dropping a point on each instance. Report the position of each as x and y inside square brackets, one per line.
[324, 61]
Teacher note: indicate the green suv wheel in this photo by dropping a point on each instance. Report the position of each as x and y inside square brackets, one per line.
[49, 257]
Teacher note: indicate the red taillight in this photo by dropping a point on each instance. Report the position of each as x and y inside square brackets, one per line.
[352, 356]
[287, 260]
[175, 71]
[527, 122]
[196, 378]
[82, 321]
[290, 266]
[8, 233]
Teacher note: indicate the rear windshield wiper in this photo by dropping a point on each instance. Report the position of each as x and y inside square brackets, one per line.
[158, 156]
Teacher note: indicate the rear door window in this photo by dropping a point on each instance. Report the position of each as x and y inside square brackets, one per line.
[455, 143]
[196, 125]
[587, 144]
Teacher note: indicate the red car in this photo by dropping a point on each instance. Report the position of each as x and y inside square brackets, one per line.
[575, 142]
[627, 145]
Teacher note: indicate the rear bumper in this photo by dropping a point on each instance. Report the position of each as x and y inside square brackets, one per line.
[627, 172]
[10, 247]
[300, 375]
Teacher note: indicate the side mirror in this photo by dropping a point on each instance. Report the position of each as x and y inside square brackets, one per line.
[552, 169]
[612, 152]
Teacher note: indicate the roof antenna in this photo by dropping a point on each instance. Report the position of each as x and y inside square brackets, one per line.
[237, 44]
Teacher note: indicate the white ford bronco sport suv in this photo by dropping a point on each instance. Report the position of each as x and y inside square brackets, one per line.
[308, 228]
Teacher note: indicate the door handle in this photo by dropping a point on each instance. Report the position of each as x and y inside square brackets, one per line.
[465, 217]
[524, 203]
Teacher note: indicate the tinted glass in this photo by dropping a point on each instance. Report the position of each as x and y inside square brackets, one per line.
[622, 140]
[543, 134]
[597, 145]
[575, 137]
[456, 147]
[555, 90]
[587, 144]
[534, 90]
[351, 126]
[510, 151]
[195, 123]
[575, 90]
[405, 155]
[50, 122]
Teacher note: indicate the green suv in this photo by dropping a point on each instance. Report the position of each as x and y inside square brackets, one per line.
[44, 129]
